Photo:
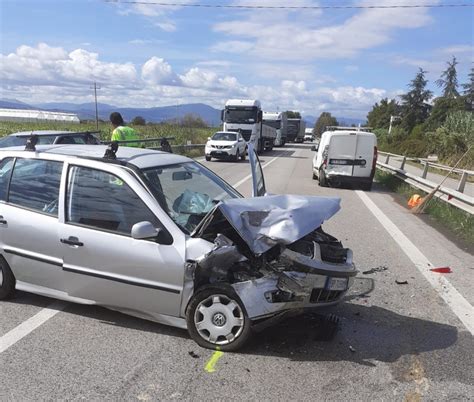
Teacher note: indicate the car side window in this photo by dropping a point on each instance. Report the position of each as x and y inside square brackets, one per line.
[35, 185]
[101, 200]
[6, 166]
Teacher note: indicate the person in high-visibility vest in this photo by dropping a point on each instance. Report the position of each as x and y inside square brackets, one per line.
[121, 131]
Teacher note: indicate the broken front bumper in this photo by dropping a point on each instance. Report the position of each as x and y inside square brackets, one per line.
[312, 284]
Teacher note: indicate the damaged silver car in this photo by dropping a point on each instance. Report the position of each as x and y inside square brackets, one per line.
[159, 236]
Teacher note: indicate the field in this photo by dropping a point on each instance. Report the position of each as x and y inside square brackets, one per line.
[180, 133]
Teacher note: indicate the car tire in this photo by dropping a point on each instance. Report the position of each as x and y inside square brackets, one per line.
[221, 305]
[7, 280]
[323, 182]
[237, 156]
[244, 154]
[208, 158]
[315, 177]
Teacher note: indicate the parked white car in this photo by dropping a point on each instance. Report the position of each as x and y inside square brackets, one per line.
[226, 145]
[346, 156]
[159, 236]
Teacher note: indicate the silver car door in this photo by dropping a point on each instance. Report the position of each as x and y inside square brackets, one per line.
[258, 180]
[29, 223]
[102, 262]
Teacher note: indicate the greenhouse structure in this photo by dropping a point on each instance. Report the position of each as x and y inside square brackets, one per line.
[25, 115]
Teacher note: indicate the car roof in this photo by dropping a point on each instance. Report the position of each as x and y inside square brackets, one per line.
[48, 132]
[226, 132]
[349, 132]
[139, 157]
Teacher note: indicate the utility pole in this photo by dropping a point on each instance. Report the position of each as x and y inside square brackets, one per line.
[96, 108]
[392, 119]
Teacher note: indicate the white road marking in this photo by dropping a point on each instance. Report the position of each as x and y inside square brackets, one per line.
[239, 183]
[458, 304]
[28, 326]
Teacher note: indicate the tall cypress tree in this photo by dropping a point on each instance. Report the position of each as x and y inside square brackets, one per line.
[449, 80]
[415, 109]
[469, 90]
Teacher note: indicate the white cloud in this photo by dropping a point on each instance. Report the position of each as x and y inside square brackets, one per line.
[458, 49]
[47, 74]
[159, 15]
[157, 71]
[291, 35]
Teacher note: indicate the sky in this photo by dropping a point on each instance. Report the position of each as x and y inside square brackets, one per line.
[145, 55]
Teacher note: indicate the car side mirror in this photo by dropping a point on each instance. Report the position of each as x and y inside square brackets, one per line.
[145, 231]
[209, 138]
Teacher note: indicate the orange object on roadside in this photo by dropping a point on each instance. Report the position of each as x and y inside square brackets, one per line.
[414, 200]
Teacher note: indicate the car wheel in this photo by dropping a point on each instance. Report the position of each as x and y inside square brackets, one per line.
[208, 158]
[217, 319]
[7, 280]
[237, 156]
[323, 182]
[244, 155]
[315, 177]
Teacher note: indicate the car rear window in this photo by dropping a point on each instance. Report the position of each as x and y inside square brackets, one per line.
[35, 185]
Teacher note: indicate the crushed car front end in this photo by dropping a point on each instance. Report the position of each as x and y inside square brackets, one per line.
[274, 254]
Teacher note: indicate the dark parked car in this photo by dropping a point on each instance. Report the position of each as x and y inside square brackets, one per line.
[48, 137]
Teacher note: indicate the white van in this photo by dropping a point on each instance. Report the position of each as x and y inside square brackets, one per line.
[346, 155]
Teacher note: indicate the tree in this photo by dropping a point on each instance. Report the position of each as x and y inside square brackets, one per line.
[469, 90]
[379, 116]
[449, 80]
[194, 121]
[324, 120]
[414, 107]
[443, 107]
[293, 115]
[138, 121]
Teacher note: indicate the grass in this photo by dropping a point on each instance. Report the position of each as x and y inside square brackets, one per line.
[181, 134]
[457, 221]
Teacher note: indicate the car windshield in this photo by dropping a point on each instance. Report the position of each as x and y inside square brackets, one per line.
[187, 192]
[241, 115]
[18, 141]
[224, 137]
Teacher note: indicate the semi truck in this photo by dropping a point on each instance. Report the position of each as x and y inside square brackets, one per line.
[279, 122]
[246, 117]
[296, 130]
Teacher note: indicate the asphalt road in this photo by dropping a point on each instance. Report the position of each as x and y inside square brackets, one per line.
[394, 342]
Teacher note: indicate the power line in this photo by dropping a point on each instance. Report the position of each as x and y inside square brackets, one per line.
[256, 6]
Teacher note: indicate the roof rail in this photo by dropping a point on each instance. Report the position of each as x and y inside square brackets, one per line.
[31, 143]
[111, 151]
[335, 128]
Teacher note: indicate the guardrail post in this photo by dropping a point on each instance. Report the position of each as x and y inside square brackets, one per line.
[425, 170]
[387, 159]
[402, 166]
[462, 182]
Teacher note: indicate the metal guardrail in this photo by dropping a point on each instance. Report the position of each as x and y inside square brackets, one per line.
[454, 197]
[427, 164]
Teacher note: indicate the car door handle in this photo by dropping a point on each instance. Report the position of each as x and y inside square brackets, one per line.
[2, 221]
[72, 241]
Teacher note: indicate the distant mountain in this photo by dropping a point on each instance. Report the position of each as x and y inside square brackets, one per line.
[343, 121]
[14, 104]
[86, 111]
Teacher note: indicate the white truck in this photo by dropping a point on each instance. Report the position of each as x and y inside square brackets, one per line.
[279, 122]
[296, 130]
[246, 117]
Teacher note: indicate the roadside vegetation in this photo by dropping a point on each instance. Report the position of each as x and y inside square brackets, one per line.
[190, 129]
[456, 220]
[444, 127]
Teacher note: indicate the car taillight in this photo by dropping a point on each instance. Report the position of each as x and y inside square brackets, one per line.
[374, 161]
[325, 155]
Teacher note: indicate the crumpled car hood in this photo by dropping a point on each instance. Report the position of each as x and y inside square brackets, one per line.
[264, 222]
